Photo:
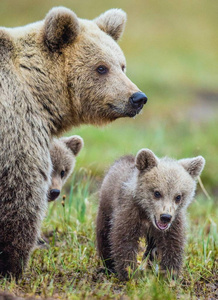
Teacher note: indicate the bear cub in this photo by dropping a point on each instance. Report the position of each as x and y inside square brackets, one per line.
[145, 196]
[63, 153]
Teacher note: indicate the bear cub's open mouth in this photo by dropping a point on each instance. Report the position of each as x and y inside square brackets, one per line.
[161, 225]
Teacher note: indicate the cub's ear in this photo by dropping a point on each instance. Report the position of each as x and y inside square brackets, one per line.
[145, 160]
[74, 143]
[194, 166]
[112, 22]
[61, 28]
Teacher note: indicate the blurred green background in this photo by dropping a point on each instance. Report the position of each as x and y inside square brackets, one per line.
[171, 49]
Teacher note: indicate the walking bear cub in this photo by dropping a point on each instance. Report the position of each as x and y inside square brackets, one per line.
[63, 153]
[145, 196]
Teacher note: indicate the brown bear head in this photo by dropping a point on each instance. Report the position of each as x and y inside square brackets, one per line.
[98, 88]
[165, 186]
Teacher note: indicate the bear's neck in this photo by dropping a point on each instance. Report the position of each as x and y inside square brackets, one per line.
[43, 74]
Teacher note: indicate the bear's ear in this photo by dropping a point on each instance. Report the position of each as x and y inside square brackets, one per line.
[112, 22]
[61, 28]
[74, 143]
[194, 166]
[145, 160]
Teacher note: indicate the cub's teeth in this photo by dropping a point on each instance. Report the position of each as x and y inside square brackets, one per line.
[162, 226]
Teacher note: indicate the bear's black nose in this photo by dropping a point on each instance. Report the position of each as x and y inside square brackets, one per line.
[165, 218]
[138, 99]
[53, 194]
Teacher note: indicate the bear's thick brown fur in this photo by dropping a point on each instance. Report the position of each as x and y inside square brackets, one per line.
[145, 197]
[54, 74]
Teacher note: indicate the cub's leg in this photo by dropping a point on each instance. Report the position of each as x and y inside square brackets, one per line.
[170, 247]
[103, 229]
[151, 248]
[124, 239]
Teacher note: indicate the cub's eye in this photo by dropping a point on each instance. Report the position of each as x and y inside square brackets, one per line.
[123, 68]
[178, 198]
[157, 195]
[102, 70]
[62, 173]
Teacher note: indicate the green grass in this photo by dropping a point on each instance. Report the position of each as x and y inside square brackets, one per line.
[171, 52]
[172, 136]
[71, 269]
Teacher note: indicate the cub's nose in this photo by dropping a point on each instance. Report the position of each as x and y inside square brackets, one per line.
[165, 218]
[138, 99]
[53, 194]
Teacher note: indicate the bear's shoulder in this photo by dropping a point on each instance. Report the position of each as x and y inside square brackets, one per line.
[6, 44]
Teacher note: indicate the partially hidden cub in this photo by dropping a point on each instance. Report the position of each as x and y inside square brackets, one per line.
[145, 196]
[63, 153]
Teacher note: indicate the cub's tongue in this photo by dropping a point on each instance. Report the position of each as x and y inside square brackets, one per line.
[161, 225]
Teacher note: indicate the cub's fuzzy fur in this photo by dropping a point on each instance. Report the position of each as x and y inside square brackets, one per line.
[63, 153]
[145, 196]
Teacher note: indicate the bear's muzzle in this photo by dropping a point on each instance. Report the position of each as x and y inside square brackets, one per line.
[137, 101]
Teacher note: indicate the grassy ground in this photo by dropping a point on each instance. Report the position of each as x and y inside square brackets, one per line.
[171, 51]
[70, 268]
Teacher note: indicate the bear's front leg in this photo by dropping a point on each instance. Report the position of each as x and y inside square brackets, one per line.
[170, 247]
[21, 212]
[124, 240]
[18, 238]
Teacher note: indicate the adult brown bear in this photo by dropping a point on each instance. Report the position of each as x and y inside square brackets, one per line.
[54, 74]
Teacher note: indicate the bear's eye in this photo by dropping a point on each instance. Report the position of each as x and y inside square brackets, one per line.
[123, 68]
[102, 70]
[178, 198]
[157, 195]
[62, 173]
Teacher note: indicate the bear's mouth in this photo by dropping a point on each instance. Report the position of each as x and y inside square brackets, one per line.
[126, 112]
[161, 225]
[135, 112]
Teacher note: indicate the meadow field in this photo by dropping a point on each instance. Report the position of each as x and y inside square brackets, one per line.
[171, 49]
